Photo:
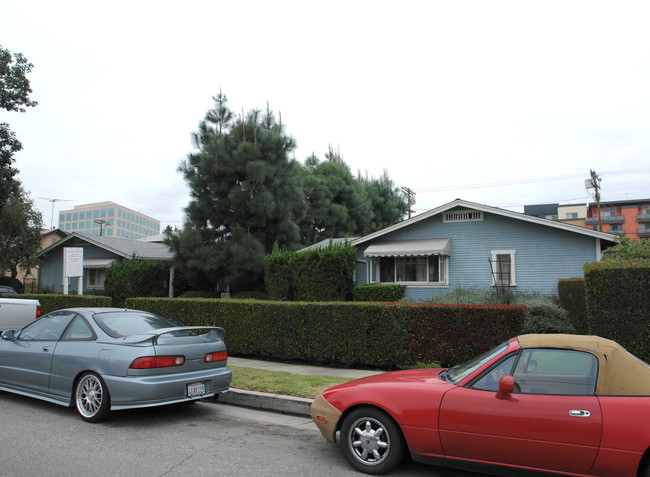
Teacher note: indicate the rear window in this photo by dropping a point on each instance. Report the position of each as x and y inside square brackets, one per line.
[121, 324]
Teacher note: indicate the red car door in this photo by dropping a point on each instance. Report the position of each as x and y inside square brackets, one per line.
[552, 421]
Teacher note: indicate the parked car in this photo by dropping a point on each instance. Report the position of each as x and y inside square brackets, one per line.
[17, 312]
[565, 404]
[103, 359]
[5, 290]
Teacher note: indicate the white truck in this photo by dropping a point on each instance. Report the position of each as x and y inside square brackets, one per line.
[17, 312]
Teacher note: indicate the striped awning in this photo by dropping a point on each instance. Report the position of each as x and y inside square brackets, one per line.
[410, 248]
[98, 262]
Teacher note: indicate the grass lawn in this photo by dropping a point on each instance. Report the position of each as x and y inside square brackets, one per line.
[281, 382]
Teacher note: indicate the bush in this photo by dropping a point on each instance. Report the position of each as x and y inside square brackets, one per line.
[381, 293]
[51, 302]
[572, 298]
[347, 334]
[136, 277]
[618, 303]
[277, 275]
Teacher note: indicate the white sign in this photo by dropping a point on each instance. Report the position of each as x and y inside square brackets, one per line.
[73, 261]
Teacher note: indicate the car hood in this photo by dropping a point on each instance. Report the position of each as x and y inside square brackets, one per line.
[405, 395]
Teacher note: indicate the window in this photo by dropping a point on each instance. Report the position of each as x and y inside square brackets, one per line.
[556, 371]
[572, 215]
[79, 330]
[490, 380]
[421, 269]
[95, 276]
[48, 328]
[503, 268]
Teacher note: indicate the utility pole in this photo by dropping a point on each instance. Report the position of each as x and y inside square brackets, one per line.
[101, 223]
[595, 181]
[409, 193]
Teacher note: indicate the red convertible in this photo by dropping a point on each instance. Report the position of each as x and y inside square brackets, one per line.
[564, 404]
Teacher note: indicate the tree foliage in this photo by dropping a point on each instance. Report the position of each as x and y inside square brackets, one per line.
[14, 96]
[245, 197]
[628, 249]
[248, 196]
[20, 234]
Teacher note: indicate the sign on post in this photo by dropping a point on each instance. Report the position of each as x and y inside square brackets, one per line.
[73, 266]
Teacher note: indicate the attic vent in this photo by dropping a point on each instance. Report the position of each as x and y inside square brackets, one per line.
[462, 216]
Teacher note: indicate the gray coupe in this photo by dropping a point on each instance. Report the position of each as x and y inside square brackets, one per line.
[103, 359]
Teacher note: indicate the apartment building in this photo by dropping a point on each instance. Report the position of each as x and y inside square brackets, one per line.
[629, 218]
[108, 219]
[574, 214]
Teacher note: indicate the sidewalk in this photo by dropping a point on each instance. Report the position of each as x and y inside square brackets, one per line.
[279, 402]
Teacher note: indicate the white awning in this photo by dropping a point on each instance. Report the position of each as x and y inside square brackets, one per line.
[98, 262]
[409, 248]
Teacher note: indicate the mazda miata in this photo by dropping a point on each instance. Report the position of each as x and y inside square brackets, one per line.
[564, 404]
[103, 359]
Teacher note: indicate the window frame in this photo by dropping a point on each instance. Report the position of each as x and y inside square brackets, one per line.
[495, 262]
[443, 270]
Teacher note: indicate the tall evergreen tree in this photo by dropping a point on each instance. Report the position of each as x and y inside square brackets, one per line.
[386, 200]
[244, 198]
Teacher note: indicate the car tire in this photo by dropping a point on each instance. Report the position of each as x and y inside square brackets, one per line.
[91, 398]
[372, 441]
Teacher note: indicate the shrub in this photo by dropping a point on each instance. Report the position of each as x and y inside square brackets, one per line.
[347, 334]
[572, 298]
[618, 303]
[381, 293]
[52, 302]
[136, 277]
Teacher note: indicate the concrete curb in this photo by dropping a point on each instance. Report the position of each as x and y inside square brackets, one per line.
[271, 402]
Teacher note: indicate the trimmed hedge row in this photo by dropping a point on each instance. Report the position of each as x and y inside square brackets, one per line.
[382, 293]
[618, 303]
[347, 334]
[51, 302]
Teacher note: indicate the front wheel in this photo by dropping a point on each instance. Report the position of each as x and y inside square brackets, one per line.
[91, 398]
[371, 441]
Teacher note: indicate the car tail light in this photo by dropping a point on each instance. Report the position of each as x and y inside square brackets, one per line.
[148, 362]
[217, 356]
[39, 311]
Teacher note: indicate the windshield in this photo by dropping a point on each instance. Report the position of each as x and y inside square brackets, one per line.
[458, 373]
[121, 324]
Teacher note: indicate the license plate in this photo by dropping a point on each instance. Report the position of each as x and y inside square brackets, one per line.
[195, 389]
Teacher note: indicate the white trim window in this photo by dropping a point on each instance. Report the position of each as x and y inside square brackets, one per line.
[503, 268]
[414, 270]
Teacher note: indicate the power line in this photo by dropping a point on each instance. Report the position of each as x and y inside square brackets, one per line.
[524, 181]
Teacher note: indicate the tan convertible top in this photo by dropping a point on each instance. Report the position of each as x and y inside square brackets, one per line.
[619, 372]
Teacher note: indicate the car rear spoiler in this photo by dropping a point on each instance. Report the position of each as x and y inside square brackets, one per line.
[215, 332]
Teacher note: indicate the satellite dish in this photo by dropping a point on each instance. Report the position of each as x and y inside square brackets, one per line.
[589, 184]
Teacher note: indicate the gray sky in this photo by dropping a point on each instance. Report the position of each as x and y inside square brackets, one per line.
[504, 103]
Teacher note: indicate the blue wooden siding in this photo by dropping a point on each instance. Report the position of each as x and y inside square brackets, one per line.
[544, 254]
[51, 270]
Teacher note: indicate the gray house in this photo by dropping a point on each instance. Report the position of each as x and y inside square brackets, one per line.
[99, 253]
[469, 245]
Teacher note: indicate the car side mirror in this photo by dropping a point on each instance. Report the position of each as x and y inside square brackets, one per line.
[506, 387]
[8, 335]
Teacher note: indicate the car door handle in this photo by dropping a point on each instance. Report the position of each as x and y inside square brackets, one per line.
[46, 348]
[579, 413]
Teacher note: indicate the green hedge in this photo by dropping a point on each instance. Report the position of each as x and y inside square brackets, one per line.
[323, 274]
[347, 334]
[571, 292]
[382, 293]
[618, 303]
[52, 302]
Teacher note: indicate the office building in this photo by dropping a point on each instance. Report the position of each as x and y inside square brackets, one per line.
[108, 219]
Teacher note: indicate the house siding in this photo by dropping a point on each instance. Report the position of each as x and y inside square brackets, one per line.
[543, 256]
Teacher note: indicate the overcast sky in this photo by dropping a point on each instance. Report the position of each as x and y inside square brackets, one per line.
[501, 103]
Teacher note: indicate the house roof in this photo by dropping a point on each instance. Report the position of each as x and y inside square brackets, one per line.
[123, 247]
[492, 210]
